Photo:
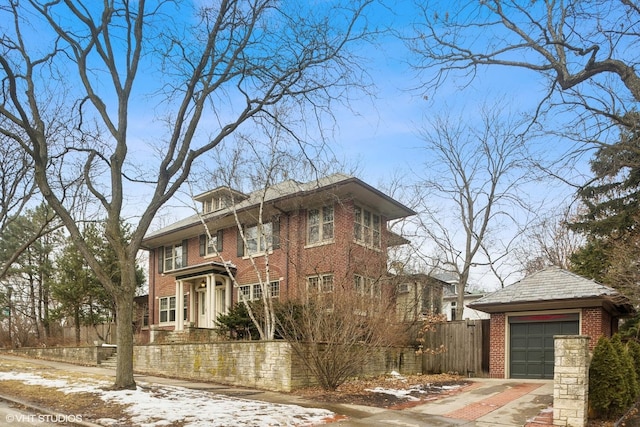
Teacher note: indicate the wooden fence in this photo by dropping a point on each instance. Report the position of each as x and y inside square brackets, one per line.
[465, 345]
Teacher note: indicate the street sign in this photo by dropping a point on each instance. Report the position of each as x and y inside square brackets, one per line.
[5, 311]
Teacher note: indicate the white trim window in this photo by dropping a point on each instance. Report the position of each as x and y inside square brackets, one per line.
[167, 309]
[254, 292]
[322, 283]
[173, 257]
[258, 238]
[367, 227]
[320, 225]
[366, 286]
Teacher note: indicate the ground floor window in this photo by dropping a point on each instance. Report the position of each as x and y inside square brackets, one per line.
[254, 291]
[321, 284]
[167, 309]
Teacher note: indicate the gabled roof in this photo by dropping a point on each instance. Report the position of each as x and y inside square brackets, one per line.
[286, 195]
[554, 288]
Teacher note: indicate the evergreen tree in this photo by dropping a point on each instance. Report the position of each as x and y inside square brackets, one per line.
[633, 347]
[77, 290]
[607, 390]
[611, 217]
[628, 370]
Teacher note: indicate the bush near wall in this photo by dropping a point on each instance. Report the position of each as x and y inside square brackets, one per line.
[613, 383]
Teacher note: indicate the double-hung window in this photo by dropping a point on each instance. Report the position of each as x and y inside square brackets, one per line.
[320, 284]
[172, 257]
[367, 228]
[258, 239]
[366, 286]
[320, 225]
[167, 309]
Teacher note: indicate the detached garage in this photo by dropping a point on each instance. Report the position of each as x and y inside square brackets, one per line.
[528, 314]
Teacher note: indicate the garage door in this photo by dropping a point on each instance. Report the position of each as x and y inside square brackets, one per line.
[531, 343]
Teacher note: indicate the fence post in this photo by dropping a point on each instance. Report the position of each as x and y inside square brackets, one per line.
[571, 380]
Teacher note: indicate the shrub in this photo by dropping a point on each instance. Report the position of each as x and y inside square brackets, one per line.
[237, 324]
[608, 392]
[628, 370]
[633, 347]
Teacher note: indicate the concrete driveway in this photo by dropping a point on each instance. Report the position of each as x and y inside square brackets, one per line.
[486, 403]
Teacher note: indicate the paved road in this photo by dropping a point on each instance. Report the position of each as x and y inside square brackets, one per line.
[12, 415]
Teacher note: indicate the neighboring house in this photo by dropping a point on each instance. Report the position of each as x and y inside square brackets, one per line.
[450, 304]
[417, 296]
[322, 236]
[526, 315]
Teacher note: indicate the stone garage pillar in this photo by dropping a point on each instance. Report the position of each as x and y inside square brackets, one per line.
[571, 380]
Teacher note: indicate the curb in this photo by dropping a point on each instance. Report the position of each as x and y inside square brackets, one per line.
[46, 411]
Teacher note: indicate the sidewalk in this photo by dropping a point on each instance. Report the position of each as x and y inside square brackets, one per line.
[485, 403]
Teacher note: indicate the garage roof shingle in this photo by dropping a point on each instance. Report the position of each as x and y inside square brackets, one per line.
[552, 283]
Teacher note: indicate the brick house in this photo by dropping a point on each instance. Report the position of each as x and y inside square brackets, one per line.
[526, 315]
[323, 235]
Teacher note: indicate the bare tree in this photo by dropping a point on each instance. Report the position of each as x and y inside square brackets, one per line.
[204, 72]
[471, 189]
[549, 242]
[583, 51]
[337, 331]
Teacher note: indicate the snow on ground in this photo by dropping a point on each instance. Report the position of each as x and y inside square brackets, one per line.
[151, 406]
[408, 393]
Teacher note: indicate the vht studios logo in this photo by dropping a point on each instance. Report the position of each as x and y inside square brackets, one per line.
[43, 418]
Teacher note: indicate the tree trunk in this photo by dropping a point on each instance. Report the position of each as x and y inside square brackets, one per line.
[77, 322]
[124, 337]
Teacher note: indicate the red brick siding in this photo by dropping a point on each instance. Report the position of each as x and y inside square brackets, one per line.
[596, 322]
[293, 262]
[497, 345]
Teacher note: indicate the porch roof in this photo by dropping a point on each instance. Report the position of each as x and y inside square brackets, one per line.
[200, 269]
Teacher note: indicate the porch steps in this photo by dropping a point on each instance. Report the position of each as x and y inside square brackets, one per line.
[110, 362]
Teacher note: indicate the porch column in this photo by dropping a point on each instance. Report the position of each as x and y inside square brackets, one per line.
[179, 306]
[228, 294]
[192, 303]
[211, 300]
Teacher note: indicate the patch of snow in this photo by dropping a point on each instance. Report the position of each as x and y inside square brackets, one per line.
[420, 389]
[402, 394]
[156, 406]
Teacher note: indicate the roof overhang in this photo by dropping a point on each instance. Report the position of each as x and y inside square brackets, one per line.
[349, 188]
[201, 269]
[616, 305]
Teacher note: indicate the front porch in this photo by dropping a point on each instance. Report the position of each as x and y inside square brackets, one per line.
[203, 292]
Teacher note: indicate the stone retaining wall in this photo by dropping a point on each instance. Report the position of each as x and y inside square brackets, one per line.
[79, 355]
[269, 365]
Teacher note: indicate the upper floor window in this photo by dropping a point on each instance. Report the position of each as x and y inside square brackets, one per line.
[258, 239]
[211, 245]
[215, 203]
[173, 257]
[366, 227]
[320, 225]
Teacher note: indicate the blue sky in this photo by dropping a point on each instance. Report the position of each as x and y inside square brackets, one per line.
[380, 133]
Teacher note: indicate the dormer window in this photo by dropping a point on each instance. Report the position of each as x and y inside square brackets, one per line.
[218, 199]
[215, 204]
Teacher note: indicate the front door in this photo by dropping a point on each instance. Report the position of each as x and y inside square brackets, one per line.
[202, 309]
